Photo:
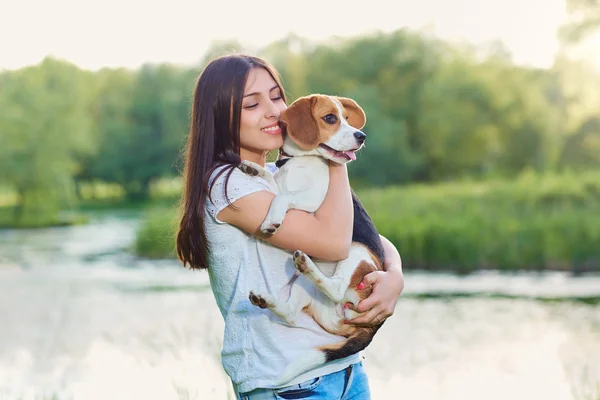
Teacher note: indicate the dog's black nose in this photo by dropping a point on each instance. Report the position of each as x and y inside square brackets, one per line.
[360, 137]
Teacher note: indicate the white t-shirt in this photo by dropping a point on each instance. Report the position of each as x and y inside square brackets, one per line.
[257, 344]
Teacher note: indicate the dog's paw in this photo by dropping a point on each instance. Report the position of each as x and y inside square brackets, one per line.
[250, 168]
[269, 227]
[259, 300]
[300, 261]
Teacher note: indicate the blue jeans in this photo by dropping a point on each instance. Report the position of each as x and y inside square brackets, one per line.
[348, 384]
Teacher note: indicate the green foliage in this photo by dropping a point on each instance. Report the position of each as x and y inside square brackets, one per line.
[142, 120]
[389, 85]
[156, 235]
[435, 112]
[43, 125]
[28, 220]
[584, 20]
[534, 222]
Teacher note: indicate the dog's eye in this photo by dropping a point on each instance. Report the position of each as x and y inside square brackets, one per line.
[330, 119]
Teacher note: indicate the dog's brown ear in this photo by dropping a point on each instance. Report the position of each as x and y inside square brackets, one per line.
[356, 116]
[301, 124]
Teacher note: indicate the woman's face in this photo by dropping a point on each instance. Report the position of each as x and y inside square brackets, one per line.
[259, 123]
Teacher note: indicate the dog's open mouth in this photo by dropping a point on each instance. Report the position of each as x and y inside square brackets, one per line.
[348, 154]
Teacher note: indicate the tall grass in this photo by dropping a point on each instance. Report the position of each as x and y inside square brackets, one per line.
[535, 222]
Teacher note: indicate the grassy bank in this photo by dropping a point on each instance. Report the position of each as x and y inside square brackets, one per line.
[38, 220]
[94, 196]
[534, 222]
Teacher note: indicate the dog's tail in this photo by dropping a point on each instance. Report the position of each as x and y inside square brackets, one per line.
[356, 342]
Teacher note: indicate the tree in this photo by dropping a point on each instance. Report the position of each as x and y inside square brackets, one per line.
[388, 83]
[143, 120]
[43, 124]
[584, 20]
[577, 99]
[112, 96]
[288, 55]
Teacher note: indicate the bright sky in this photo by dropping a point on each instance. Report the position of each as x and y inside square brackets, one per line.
[98, 33]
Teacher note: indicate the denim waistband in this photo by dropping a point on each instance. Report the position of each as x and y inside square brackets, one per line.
[338, 382]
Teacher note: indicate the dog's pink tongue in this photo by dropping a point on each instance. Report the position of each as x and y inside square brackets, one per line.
[351, 154]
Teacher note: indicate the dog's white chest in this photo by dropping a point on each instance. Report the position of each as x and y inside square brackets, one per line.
[307, 178]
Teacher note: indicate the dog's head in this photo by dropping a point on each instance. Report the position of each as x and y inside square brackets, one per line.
[325, 125]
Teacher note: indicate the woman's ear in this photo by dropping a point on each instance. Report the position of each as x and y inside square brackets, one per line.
[301, 125]
[356, 116]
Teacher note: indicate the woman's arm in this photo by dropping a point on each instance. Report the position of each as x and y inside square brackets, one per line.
[326, 235]
[387, 287]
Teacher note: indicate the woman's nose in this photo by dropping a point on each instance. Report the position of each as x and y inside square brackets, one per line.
[272, 110]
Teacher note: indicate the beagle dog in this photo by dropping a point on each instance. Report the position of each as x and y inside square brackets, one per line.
[321, 128]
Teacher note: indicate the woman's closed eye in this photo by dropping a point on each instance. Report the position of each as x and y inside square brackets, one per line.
[254, 105]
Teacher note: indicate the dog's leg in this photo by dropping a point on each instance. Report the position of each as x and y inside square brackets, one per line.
[333, 287]
[279, 207]
[253, 169]
[283, 310]
[354, 267]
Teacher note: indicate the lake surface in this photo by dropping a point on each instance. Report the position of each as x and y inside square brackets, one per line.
[82, 318]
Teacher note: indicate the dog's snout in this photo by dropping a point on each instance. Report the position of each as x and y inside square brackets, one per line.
[360, 137]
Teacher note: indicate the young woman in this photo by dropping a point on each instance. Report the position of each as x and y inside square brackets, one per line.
[235, 117]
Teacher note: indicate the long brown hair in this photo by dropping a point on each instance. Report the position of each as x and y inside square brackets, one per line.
[214, 140]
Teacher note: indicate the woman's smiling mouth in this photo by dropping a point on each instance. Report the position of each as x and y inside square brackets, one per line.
[272, 130]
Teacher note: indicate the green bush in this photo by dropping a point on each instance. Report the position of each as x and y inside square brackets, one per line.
[156, 235]
[535, 222]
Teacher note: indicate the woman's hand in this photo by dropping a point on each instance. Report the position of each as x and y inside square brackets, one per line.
[387, 287]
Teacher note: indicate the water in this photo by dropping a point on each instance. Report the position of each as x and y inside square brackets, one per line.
[81, 318]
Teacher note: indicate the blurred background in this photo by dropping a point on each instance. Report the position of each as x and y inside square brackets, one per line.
[482, 166]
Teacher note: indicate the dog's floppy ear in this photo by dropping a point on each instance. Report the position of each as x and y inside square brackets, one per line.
[301, 124]
[356, 116]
